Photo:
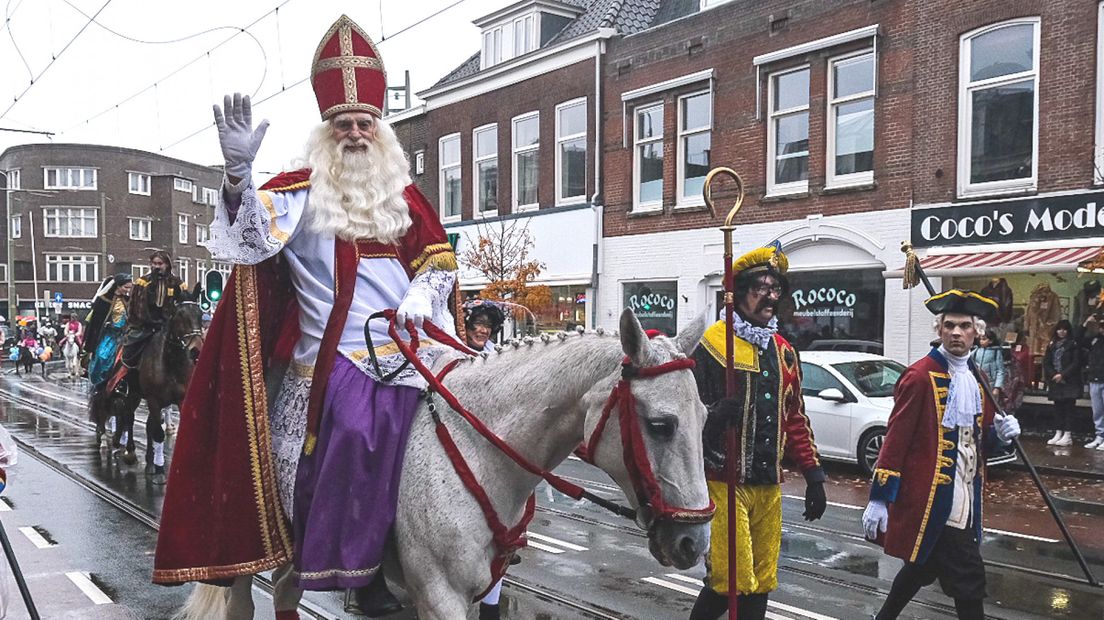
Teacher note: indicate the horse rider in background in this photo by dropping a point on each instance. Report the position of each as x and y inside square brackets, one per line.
[107, 323]
[152, 303]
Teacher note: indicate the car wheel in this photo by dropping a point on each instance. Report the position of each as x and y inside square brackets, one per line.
[870, 444]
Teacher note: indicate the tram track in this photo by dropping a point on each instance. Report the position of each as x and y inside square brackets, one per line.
[150, 520]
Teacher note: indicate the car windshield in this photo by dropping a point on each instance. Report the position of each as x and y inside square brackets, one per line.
[874, 378]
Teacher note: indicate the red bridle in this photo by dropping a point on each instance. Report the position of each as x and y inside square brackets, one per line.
[649, 497]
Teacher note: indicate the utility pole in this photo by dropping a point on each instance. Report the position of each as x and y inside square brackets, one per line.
[12, 302]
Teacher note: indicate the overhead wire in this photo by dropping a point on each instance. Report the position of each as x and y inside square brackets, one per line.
[297, 83]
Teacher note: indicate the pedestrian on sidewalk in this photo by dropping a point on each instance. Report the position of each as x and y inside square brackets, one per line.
[1062, 372]
[989, 358]
[1093, 344]
[926, 495]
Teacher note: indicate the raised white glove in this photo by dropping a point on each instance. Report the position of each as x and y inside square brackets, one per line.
[875, 519]
[238, 139]
[1007, 427]
[415, 307]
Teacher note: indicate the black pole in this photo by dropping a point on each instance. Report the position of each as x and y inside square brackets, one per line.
[1023, 456]
[19, 581]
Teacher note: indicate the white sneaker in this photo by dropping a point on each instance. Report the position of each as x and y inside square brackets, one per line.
[1065, 440]
[1053, 440]
[1095, 443]
[1101, 447]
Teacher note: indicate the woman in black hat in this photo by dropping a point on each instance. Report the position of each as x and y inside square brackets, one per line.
[1062, 372]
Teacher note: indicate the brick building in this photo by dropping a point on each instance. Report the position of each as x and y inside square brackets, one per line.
[78, 213]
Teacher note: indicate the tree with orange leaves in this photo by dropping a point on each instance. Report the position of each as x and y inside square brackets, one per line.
[501, 254]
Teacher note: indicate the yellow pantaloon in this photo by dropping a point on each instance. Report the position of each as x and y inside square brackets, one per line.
[758, 538]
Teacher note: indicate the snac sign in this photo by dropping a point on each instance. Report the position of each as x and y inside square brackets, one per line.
[1032, 219]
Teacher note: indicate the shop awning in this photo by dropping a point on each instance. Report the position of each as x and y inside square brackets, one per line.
[1016, 261]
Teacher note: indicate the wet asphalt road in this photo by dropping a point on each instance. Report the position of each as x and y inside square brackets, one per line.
[581, 562]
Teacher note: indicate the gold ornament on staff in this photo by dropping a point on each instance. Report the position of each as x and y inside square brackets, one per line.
[730, 371]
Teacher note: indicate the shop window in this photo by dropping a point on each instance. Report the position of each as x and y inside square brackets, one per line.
[654, 303]
[851, 120]
[485, 173]
[694, 144]
[788, 133]
[836, 310]
[571, 151]
[648, 158]
[998, 108]
[449, 158]
[526, 141]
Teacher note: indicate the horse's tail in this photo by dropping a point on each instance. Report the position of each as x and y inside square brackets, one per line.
[206, 602]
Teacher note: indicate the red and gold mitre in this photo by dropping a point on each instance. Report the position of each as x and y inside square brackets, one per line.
[347, 73]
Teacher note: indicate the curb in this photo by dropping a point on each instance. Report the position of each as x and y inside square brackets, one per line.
[1058, 471]
[1077, 505]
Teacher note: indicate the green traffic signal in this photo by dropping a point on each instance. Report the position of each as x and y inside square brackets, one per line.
[212, 290]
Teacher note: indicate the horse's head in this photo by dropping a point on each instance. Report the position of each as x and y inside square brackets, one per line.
[186, 329]
[650, 440]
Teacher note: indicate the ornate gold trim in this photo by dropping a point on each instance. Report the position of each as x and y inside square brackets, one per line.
[940, 406]
[208, 573]
[289, 188]
[343, 62]
[273, 229]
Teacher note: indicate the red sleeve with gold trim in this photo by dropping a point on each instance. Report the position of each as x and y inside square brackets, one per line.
[425, 245]
[800, 447]
[291, 179]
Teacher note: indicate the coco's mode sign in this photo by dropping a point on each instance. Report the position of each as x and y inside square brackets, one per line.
[1032, 219]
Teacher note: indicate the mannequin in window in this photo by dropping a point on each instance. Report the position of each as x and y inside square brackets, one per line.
[1043, 312]
[998, 290]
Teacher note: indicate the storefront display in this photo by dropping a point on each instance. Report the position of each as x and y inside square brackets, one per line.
[655, 304]
[837, 305]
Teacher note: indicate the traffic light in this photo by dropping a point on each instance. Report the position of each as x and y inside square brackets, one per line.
[212, 290]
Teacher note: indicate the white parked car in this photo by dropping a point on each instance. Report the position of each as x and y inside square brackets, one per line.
[848, 397]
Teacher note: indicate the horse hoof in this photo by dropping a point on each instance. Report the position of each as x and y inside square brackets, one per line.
[130, 458]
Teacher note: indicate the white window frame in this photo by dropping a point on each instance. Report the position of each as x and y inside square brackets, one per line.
[131, 221]
[202, 233]
[476, 160]
[182, 185]
[499, 42]
[66, 215]
[144, 181]
[637, 143]
[3, 272]
[210, 197]
[201, 271]
[68, 172]
[793, 187]
[833, 180]
[560, 139]
[965, 113]
[137, 271]
[1098, 152]
[182, 228]
[680, 147]
[182, 270]
[15, 227]
[419, 162]
[515, 151]
[15, 179]
[55, 263]
[708, 4]
[442, 169]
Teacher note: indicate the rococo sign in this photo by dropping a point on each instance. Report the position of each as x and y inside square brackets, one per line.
[1033, 219]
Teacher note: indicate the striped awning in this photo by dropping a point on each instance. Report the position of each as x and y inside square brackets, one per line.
[1061, 259]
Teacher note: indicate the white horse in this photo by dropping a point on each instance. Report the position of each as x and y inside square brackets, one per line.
[71, 351]
[543, 397]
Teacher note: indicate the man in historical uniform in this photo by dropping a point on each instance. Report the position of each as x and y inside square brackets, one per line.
[763, 422]
[316, 252]
[152, 303]
[925, 498]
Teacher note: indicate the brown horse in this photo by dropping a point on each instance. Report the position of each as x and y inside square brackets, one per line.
[161, 378]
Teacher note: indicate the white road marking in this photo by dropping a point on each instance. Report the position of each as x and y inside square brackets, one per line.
[572, 457]
[989, 530]
[698, 582]
[36, 538]
[677, 587]
[4, 507]
[83, 581]
[1018, 535]
[557, 541]
[537, 545]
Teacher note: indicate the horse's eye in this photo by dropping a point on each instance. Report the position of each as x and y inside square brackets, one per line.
[662, 428]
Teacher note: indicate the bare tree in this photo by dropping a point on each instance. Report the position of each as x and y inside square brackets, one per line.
[501, 254]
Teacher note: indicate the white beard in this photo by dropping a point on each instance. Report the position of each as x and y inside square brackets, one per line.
[358, 195]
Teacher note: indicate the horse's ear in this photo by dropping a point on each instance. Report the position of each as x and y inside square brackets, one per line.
[634, 342]
[197, 292]
[690, 336]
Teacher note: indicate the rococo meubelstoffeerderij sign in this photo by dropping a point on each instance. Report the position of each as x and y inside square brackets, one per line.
[1031, 219]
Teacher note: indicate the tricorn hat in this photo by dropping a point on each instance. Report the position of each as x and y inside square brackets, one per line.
[957, 301]
[347, 73]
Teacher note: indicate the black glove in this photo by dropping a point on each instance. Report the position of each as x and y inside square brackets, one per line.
[815, 501]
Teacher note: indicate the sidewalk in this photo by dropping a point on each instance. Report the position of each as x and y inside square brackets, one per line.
[1072, 474]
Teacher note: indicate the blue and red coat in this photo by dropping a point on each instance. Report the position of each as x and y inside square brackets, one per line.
[917, 464]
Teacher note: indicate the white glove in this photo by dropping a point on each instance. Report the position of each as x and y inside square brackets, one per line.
[415, 307]
[874, 519]
[1008, 428]
[238, 139]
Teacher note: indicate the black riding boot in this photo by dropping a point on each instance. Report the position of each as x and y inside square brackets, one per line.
[709, 606]
[489, 612]
[375, 600]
